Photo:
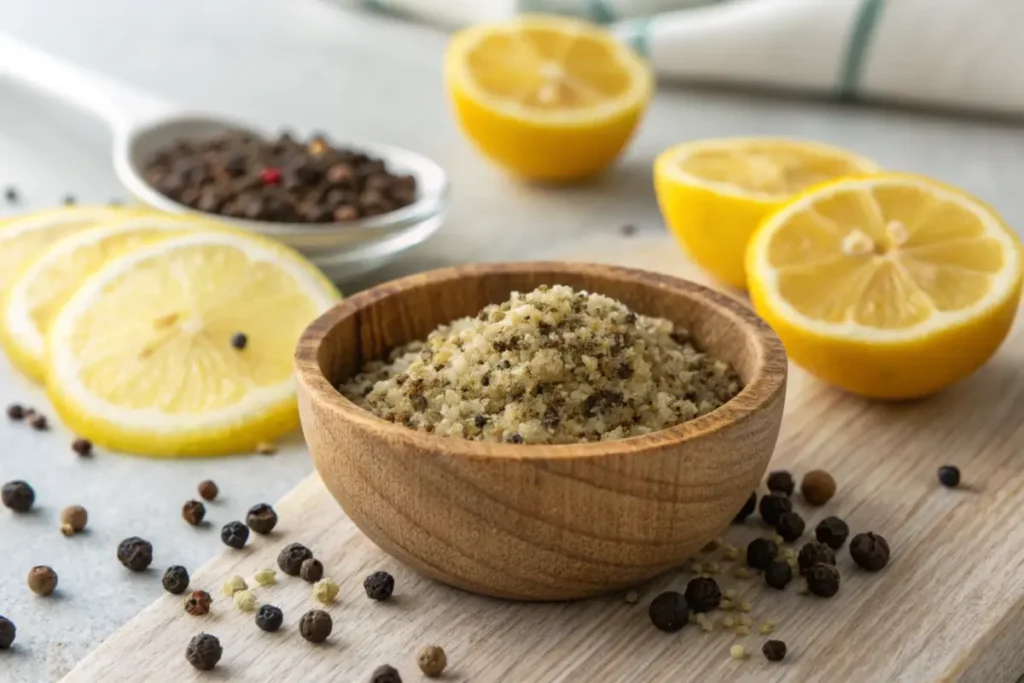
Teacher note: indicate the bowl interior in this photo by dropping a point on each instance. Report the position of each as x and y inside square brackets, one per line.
[373, 323]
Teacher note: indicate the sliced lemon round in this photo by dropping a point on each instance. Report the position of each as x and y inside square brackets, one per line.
[714, 193]
[184, 347]
[46, 283]
[547, 98]
[892, 286]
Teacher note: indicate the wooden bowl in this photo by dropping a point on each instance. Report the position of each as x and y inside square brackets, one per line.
[538, 522]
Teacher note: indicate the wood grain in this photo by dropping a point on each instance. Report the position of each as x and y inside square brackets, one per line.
[950, 606]
[538, 522]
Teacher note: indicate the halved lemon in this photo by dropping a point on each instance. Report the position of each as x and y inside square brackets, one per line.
[184, 346]
[714, 193]
[892, 286]
[25, 237]
[46, 284]
[547, 98]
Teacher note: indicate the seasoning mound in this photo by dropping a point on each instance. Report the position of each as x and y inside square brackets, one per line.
[552, 366]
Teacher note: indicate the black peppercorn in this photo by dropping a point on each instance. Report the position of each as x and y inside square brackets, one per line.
[747, 509]
[207, 490]
[239, 340]
[135, 553]
[315, 625]
[18, 496]
[15, 412]
[203, 652]
[312, 570]
[760, 553]
[82, 447]
[290, 559]
[261, 518]
[379, 585]
[11, 194]
[949, 476]
[669, 612]
[772, 506]
[774, 650]
[823, 580]
[790, 526]
[269, 618]
[702, 594]
[385, 674]
[8, 632]
[193, 512]
[176, 580]
[234, 535]
[814, 553]
[778, 574]
[832, 531]
[781, 481]
[69, 200]
[39, 423]
[818, 487]
[870, 551]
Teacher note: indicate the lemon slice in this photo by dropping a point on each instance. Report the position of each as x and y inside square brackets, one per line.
[548, 98]
[714, 193]
[144, 358]
[45, 285]
[25, 237]
[892, 286]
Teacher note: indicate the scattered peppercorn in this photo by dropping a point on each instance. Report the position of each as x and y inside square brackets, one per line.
[17, 495]
[870, 551]
[175, 580]
[198, 603]
[82, 447]
[135, 553]
[385, 674]
[628, 230]
[761, 552]
[379, 585]
[774, 650]
[432, 661]
[239, 340]
[73, 519]
[233, 585]
[832, 531]
[325, 591]
[234, 535]
[269, 618]
[818, 487]
[632, 597]
[781, 481]
[42, 580]
[823, 580]
[747, 509]
[290, 559]
[702, 594]
[193, 512]
[790, 526]
[312, 570]
[738, 652]
[261, 518]
[949, 476]
[265, 577]
[204, 651]
[8, 632]
[207, 490]
[39, 423]
[772, 506]
[11, 194]
[15, 412]
[69, 200]
[315, 625]
[245, 600]
[669, 611]
[778, 574]
[266, 448]
[814, 553]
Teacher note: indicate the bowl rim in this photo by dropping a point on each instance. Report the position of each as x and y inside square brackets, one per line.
[765, 385]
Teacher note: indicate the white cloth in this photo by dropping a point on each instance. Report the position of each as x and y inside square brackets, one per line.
[962, 54]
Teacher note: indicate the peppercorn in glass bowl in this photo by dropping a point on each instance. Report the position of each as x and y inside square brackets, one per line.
[528, 521]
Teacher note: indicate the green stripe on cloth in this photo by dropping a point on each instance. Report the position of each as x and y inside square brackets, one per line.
[376, 5]
[857, 47]
[600, 11]
[638, 34]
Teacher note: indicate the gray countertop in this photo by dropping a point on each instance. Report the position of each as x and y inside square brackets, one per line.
[309, 65]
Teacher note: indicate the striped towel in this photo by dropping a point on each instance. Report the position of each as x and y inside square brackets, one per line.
[961, 54]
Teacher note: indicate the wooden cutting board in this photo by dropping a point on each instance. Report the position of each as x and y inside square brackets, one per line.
[949, 607]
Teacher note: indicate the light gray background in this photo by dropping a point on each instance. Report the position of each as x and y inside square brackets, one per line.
[309, 65]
